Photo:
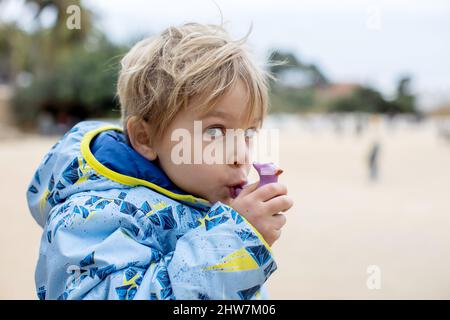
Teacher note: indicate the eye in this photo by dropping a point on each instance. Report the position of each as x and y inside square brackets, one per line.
[215, 132]
[250, 132]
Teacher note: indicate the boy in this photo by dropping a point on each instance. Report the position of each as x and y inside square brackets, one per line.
[122, 221]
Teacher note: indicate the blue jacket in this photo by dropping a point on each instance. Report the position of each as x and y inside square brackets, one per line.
[116, 227]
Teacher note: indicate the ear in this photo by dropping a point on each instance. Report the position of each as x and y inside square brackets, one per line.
[140, 138]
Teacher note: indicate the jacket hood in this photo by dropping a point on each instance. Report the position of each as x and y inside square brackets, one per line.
[95, 155]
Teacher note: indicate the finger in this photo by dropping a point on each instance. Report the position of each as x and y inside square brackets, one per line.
[281, 203]
[249, 189]
[270, 190]
[278, 221]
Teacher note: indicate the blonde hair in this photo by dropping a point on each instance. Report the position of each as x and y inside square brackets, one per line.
[161, 74]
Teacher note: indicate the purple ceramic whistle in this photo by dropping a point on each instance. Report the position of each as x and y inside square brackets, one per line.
[268, 173]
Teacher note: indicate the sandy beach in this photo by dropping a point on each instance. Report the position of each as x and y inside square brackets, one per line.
[341, 222]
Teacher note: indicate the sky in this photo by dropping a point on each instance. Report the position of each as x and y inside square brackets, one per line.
[373, 42]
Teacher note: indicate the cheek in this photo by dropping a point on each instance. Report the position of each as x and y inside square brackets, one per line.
[199, 179]
[193, 178]
[202, 174]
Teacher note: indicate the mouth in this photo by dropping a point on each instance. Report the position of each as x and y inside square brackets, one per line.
[235, 189]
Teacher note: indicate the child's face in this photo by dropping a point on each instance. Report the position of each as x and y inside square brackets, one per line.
[211, 181]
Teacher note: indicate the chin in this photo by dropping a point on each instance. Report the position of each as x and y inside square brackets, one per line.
[224, 200]
[227, 202]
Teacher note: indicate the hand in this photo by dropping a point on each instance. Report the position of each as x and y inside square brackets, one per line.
[262, 207]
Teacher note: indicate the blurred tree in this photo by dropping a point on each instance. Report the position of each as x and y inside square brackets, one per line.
[363, 99]
[294, 90]
[281, 61]
[284, 99]
[71, 72]
[14, 57]
[81, 84]
[59, 31]
[51, 42]
[405, 101]
[288, 62]
[302, 87]
[370, 100]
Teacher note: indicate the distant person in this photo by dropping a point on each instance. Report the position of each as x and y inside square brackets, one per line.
[373, 161]
[122, 220]
[359, 125]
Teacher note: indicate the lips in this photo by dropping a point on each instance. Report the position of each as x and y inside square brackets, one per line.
[234, 189]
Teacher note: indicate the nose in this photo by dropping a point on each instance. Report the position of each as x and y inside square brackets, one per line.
[238, 153]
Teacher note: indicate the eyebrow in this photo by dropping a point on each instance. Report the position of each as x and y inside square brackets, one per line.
[219, 114]
[222, 114]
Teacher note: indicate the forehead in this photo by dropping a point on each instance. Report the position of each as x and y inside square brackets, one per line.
[235, 105]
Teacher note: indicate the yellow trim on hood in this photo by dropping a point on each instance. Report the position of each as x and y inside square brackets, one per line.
[124, 179]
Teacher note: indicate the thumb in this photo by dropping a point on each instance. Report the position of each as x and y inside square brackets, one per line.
[249, 188]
